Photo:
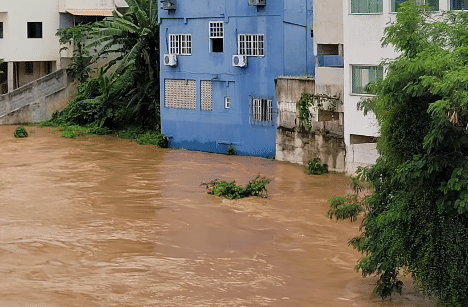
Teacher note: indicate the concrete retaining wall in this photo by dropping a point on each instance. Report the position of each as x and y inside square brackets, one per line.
[360, 155]
[36, 101]
[295, 145]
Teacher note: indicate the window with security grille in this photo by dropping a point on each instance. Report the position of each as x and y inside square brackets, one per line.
[180, 44]
[216, 36]
[251, 44]
[180, 94]
[262, 111]
[206, 96]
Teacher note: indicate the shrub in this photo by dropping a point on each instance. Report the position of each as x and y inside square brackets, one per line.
[153, 138]
[20, 132]
[230, 151]
[230, 190]
[315, 167]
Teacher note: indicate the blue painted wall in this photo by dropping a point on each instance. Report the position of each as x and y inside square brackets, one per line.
[287, 26]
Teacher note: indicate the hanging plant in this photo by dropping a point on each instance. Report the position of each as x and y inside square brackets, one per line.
[309, 102]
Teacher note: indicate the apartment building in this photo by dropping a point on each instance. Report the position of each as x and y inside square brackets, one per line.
[28, 42]
[364, 23]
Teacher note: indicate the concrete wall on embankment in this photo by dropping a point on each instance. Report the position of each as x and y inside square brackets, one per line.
[295, 144]
[36, 101]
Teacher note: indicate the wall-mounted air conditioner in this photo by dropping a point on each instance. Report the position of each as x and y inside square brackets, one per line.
[257, 2]
[169, 4]
[170, 60]
[239, 60]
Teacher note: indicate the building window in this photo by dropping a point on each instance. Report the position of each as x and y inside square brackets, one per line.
[206, 96]
[262, 111]
[180, 44]
[366, 6]
[227, 102]
[363, 75]
[458, 5]
[29, 68]
[216, 36]
[1, 29]
[434, 4]
[180, 94]
[34, 29]
[251, 44]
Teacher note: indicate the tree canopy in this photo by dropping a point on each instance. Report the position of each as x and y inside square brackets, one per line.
[417, 215]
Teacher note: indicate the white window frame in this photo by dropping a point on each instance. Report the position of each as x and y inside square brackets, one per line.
[364, 13]
[422, 2]
[262, 110]
[216, 31]
[368, 81]
[180, 44]
[251, 45]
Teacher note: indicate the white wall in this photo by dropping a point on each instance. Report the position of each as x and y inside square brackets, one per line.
[16, 46]
[362, 40]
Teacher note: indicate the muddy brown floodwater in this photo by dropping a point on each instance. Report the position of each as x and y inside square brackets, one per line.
[100, 221]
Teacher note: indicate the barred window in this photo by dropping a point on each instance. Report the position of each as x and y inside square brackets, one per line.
[251, 44]
[216, 36]
[262, 110]
[206, 96]
[180, 44]
[180, 94]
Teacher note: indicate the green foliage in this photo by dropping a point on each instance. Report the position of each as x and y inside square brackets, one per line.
[315, 167]
[21, 132]
[230, 151]
[153, 138]
[309, 102]
[230, 190]
[126, 91]
[343, 208]
[72, 132]
[417, 217]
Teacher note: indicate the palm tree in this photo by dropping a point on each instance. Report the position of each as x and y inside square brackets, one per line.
[132, 41]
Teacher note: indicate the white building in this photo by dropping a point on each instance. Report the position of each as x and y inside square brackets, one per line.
[28, 42]
[364, 22]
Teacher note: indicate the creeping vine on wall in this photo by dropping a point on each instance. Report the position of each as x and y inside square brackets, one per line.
[309, 102]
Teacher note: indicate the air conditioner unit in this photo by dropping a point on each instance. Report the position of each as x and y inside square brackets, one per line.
[170, 60]
[257, 2]
[169, 4]
[239, 60]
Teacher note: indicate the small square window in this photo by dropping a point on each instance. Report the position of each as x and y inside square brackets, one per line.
[34, 29]
[458, 5]
[1, 29]
[29, 68]
[216, 36]
[363, 75]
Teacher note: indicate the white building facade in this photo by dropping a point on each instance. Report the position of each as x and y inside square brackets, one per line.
[364, 23]
[29, 45]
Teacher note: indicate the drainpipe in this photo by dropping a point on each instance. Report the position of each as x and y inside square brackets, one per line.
[10, 77]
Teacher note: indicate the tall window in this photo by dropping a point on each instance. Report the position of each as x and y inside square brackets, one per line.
[180, 44]
[206, 96]
[459, 4]
[363, 75]
[434, 4]
[34, 29]
[262, 111]
[251, 44]
[216, 36]
[1, 29]
[366, 6]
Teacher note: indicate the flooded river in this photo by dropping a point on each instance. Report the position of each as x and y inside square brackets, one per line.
[100, 221]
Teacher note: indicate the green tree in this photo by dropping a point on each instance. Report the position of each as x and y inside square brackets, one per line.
[417, 216]
[126, 46]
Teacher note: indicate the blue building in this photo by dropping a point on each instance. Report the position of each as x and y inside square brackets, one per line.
[219, 61]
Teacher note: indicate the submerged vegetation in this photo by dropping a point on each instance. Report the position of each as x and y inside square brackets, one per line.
[230, 190]
[21, 132]
[416, 218]
[315, 167]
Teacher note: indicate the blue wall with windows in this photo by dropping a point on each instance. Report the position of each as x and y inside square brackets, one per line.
[286, 26]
